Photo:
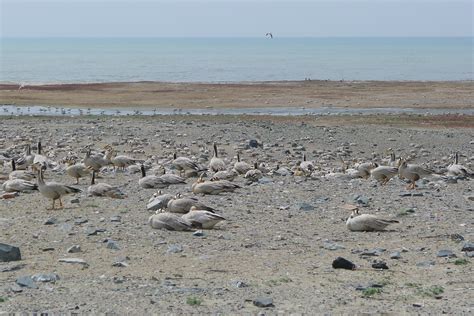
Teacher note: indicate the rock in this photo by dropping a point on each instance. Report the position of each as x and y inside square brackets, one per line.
[199, 233]
[74, 261]
[457, 237]
[13, 268]
[111, 244]
[446, 253]
[470, 254]
[253, 143]
[238, 284]
[92, 231]
[380, 265]
[265, 180]
[15, 288]
[51, 221]
[341, 263]
[75, 201]
[80, 221]
[116, 218]
[9, 253]
[469, 197]
[263, 302]
[26, 281]
[425, 264]
[362, 200]
[329, 245]
[48, 277]
[468, 246]
[121, 262]
[305, 207]
[174, 249]
[395, 255]
[74, 249]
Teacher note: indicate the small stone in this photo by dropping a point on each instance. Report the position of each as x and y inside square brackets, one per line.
[80, 221]
[26, 281]
[9, 253]
[417, 305]
[380, 265]
[199, 233]
[457, 237]
[238, 284]
[469, 254]
[428, 263]
[74, 261]
[253, 143]
[111, 244]
[120, 264]
[48, 277]
[395, 255]
[341, 263]
[446, 253]
[15, 288]
[265, 180]
[75, 201]
[118, 279]
[332, 246]
[263, 302]
[74, 249]
[305, 207]
[116, 218]
[51, 221]
[13, 268]
[468, 246]
[174, 249]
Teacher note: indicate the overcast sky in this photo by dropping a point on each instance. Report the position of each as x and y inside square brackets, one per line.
[233, 18]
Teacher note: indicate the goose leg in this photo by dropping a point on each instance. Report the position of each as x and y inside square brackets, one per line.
[61, 203]
[52, 208]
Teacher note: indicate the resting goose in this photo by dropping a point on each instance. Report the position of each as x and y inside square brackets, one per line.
[307, 167]
[54, 190]
[182, 205]
[151, 182]
[412, 172]
[213, 187]
[104, 189]
[26, 160]
[40, 162]
[241, 166]
[169, 221]
[225, 175]
[457, 170]
[367, 222]
[254, 174]
[19, 185]
[170, 178]
[20, 174]
[202, 219]
[158, 201]
[216, 164]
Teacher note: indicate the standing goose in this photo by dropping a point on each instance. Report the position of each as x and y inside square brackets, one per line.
[307, 167]
[183, 205]
[457, 170]
[202, 219]
[152, 181]
[241, 166]
[104, 189]
[96, 162]
[169, 221]
[412, 172]
[383, 173]
[213, 187]
[77, 170]
[54, 190]
[216, 164]
[367, 222]
[121, 161]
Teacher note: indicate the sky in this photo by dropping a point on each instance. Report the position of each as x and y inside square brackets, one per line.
[233, 18]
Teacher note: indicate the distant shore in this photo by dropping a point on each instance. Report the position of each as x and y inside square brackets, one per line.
[308, 94]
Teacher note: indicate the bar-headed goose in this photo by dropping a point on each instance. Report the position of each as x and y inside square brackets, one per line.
[216, 164]
[182, 205]
[213, 187]
[367, 222]
[104, 189]
[457, 170]
[202, 219]
[241, 166]
[412, 172]
[169, 221]
[54, 190]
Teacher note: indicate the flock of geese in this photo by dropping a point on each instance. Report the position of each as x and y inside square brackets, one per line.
[180, 213]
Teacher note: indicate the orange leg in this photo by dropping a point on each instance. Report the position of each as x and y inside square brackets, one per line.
[60, 203]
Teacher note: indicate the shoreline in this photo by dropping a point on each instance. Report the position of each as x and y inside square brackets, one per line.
[266, 94]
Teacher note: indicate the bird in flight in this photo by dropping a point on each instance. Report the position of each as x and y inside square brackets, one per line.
[269, 34]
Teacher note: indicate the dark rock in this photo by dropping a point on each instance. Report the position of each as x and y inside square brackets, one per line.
[457, 237]
[26, 281]
[120, 264]
[74, 249]
[263, 302]
[51, 221]
[9, 253]
[395, 255]
[199, 233]
[75, 201]
[118, 279]
[341, 263]
[446, 253]
[111, 244]
[468, 246]
[362, 200]
[380, 265]
[47, 277]
[92, 231]
[305, 207]
[253, 143]
[174, 249]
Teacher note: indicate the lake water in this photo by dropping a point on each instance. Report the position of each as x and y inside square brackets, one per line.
[58, 60]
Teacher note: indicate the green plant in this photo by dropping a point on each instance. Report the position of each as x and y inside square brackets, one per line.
[371, 291]
[460, 262]
[193, 301]
[432, 291]
[3, 299]
[279, 281]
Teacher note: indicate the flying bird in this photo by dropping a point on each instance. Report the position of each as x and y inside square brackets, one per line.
[269, 34]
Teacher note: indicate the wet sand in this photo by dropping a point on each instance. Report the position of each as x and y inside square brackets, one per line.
[309, 94]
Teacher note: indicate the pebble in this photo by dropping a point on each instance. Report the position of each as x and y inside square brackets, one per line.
[341, 263]
[263, 302]
[51, 221]
[329, 245]
[380, 265]
[305, 207]
[74, 261]
[9, 253]
[74, 249]
[199, 233]
[26, 281]
[111, 244]
[253, 143]
[238, 284]
[47, 277]
[446, 253]
[75, 201]
[116, 218]
[80, 221]
[428, 263]
[395, 255]
[174, 249]
[468, 246]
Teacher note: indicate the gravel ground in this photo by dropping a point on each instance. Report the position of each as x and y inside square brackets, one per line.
[280, 237]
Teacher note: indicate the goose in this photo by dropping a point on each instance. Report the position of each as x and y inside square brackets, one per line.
[202, 219]
[241, 166]
[367, 222]
[213, 187]
[383, 173]
[393, 161]
[19, 185]
[104, 189]
[225, 175]
[26, 160]
[96, 162]
[158, 201]
[306, 166]
[151, 182]
[457, 170]
[183, 205]
[170, 178]
[20, 174]
[254, 174]
[216, 164]
[121, 161]
[54, 190]
[363, 169]
[40, 162]
[169, 221]
[77, 170]
[412, 172]
[183, 164]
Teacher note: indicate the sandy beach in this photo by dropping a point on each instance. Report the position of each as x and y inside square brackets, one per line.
[309, 94]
